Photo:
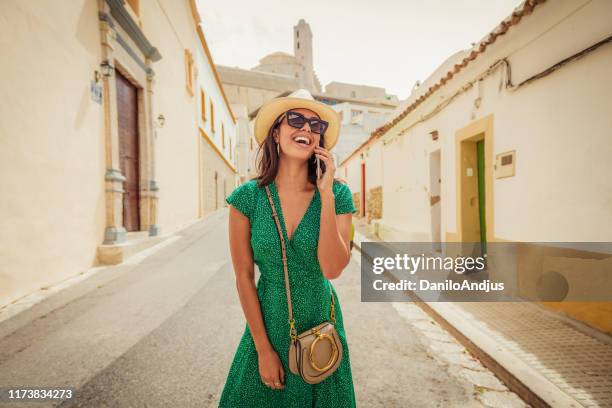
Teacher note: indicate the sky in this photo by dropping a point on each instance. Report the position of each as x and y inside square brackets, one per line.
[384, 43]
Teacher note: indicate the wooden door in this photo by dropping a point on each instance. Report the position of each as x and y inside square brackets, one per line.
[127, 113]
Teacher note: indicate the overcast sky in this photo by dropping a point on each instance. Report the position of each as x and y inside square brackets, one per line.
[386, 43]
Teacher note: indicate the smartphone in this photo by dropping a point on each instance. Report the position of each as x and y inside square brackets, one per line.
[320, 166]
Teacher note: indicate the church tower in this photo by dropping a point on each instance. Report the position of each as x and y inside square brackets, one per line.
[302, 49]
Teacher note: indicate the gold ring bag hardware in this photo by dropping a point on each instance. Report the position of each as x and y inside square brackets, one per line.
[315, 353]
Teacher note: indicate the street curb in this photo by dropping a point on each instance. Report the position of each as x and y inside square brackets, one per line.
[513, 372]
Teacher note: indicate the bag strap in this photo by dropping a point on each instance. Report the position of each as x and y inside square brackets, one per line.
[292, 331]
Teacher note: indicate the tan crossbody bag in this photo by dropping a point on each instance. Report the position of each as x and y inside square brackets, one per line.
[315, 353]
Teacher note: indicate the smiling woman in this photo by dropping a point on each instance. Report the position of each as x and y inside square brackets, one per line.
[313, 232]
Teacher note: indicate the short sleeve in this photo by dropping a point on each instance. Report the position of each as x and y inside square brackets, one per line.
[242, 198]
[343, 199]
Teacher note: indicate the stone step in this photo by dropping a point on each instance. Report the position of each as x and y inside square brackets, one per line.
[137, 241]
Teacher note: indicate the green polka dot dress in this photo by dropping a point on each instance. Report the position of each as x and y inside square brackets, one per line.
[310, 298]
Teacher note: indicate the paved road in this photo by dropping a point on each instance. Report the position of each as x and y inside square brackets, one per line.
[163, 332]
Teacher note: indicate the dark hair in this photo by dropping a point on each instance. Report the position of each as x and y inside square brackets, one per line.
[267, 165]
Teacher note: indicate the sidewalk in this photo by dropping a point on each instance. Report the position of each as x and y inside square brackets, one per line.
[545, 358]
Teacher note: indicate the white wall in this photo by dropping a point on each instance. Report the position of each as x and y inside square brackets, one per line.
[177, 142]
[559, 126]
[212, 91]
[51, 144]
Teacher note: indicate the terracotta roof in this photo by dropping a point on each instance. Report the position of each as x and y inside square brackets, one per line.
[524, 9]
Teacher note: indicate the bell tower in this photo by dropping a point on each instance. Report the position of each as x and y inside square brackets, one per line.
[302, 49]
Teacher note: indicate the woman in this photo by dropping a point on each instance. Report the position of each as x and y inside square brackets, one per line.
[315, 217]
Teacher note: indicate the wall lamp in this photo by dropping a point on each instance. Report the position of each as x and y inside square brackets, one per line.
[106, 68]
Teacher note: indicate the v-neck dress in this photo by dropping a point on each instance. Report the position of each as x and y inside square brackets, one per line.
[310, 295]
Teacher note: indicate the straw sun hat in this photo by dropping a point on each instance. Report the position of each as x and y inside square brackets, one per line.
[301, 98]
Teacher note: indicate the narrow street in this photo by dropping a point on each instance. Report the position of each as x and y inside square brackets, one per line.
[162, 332]
[480, 129]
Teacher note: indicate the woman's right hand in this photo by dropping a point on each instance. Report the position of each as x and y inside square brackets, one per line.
[270, 369]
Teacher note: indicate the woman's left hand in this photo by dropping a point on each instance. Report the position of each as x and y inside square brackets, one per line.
[325, 183]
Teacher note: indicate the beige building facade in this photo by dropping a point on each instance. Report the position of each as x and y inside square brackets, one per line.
[101, 146]
[526, 112]
[217, 128]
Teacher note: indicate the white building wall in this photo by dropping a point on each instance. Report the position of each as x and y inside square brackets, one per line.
[222, 115]
[172, 30]
[51, 144]
[356, 129]
[559, 126]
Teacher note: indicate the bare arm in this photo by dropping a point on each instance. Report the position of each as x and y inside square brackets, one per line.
[270, 367]
[334, 238]
[242, 259]
[333, 250]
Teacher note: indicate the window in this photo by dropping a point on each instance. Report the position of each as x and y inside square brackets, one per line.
[353, 94]
[251, 141]
[134, 5]
[212, 117]
[203, 104]
[189, 68]
[223, 135]
[356, 116]
[133, 10]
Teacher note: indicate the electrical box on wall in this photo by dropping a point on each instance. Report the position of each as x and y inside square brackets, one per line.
[504, 164]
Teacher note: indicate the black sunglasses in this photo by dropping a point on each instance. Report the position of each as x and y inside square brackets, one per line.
[297, 120]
